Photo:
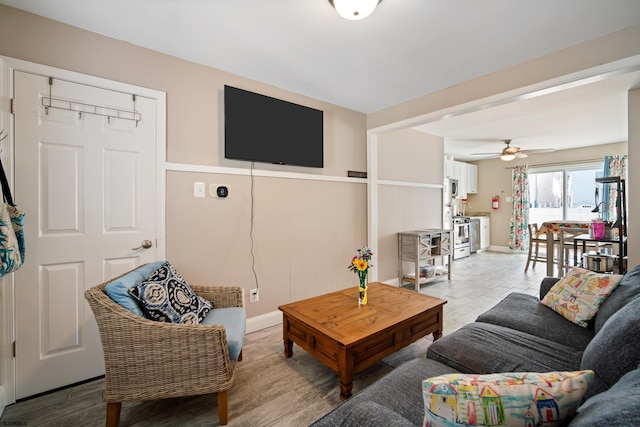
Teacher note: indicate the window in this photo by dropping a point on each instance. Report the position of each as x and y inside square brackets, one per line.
[568, 192]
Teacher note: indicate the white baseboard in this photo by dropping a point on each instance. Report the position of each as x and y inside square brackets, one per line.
[264, 321]
[502, 249]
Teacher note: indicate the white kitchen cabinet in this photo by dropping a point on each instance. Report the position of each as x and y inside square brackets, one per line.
[460, 172]
[485, 232]
[465, 173]
[472, 178]
[449, 170]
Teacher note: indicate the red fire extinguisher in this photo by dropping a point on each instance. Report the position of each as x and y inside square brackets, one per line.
[495, 202]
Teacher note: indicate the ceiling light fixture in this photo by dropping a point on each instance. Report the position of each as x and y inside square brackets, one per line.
[355, 9]
[508, 157]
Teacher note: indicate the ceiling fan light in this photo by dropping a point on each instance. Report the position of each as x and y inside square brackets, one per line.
[354, 9]
[508, 157]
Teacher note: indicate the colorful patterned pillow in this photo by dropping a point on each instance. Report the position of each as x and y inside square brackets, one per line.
[166, 297]
[580, 293]
[510, 399]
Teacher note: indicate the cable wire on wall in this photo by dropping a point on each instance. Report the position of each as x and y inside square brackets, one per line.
[253, 258]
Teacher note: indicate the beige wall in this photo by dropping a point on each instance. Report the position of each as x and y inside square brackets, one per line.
[414, 160]
[305, 230]
[495, 178]
[411, 156]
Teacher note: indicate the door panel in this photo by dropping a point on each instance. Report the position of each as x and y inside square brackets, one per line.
[60, 194]
[87, 183]
[58, 300]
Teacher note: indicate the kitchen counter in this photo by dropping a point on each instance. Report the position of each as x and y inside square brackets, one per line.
[472, 214]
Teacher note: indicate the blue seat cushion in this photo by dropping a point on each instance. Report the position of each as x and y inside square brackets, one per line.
[234, 320]
[118, 290]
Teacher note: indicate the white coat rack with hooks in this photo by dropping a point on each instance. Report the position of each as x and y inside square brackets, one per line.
[82, 108]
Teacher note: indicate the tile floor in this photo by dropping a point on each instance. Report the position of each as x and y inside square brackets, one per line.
[479, 282]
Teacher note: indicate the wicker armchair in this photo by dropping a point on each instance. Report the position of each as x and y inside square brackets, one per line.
[148, 360]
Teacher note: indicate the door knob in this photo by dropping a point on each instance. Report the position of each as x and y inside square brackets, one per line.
[146, 244]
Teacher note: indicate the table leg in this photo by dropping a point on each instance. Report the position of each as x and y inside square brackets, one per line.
[437, 334]
[346, 371]
[550, 253]
[288, 347]
[288, 343]
[345, 390]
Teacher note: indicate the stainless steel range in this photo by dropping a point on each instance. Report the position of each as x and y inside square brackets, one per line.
[461, 237]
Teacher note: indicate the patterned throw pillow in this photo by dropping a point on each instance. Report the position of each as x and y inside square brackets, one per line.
[511, 399]
[166, 297]
[580, 293]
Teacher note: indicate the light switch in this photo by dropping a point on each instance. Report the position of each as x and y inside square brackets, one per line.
[198, 190]
[508, 199]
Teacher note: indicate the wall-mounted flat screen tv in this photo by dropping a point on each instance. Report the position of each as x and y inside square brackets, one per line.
[260, 128]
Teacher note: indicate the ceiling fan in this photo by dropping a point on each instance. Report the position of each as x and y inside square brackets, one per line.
[509, 153]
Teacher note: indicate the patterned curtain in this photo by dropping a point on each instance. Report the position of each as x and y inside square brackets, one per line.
[613, 166]
[519, 233]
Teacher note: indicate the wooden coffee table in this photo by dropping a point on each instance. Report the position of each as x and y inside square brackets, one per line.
[349, 338]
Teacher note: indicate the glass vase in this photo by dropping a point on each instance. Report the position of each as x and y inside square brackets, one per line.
[362, 291]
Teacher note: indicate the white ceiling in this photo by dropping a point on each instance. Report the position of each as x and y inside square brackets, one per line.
[581, 116]
[404, 50]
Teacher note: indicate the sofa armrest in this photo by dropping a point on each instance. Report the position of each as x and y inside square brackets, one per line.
[220, 296]
[546, 285]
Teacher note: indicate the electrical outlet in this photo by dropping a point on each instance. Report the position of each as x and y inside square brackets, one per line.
[254, 295]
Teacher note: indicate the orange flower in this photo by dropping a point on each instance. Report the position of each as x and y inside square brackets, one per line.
[360, 264]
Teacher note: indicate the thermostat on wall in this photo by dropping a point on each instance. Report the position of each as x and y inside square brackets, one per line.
[219, 191]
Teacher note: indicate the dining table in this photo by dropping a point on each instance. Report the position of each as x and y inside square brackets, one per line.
[551, 229]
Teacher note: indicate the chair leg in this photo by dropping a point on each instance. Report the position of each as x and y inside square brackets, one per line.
[526, 267]
[223, 407]
[113, 414]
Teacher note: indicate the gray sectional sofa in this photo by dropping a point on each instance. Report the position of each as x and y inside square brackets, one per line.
[521, 335]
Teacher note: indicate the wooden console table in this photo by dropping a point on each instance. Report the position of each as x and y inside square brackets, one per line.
[429, 249]
[349, 338]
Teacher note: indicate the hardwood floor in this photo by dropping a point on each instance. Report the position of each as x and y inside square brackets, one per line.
[271, 390]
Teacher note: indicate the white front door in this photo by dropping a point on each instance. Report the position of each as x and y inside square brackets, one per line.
[88, 185]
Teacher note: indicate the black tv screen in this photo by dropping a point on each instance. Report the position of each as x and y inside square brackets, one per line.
[260, 128]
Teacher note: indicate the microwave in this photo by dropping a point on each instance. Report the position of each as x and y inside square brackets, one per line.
[453, 186]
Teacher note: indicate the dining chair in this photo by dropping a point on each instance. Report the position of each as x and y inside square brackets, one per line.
[535, 244]
[566, 236]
